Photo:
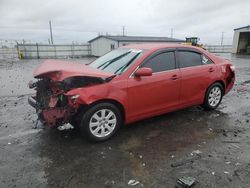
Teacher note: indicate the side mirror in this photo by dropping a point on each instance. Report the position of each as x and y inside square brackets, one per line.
[144, 71]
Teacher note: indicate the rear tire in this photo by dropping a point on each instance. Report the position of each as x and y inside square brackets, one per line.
[213, 96]
[100, 122]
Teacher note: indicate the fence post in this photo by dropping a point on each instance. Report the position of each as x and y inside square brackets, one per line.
[37, 51]
[72, 50]
[55, 50]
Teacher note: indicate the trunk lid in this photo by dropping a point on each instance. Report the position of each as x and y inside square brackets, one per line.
[59, 70]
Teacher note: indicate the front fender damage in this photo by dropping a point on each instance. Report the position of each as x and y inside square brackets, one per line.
[53, 106]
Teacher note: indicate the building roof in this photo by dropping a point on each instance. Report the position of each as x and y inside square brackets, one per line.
[137, 39]
[245, 27]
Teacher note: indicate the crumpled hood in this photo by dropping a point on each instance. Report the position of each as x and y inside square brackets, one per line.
[64, 69]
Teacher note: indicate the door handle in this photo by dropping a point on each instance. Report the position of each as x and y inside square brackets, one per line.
[211, 69]
[174, 77]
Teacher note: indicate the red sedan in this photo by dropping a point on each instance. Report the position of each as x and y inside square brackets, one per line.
[129, 84]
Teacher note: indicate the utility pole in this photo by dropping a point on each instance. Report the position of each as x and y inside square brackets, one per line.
[222, 37]
[123, 30]
[51, 34]
[172, 32]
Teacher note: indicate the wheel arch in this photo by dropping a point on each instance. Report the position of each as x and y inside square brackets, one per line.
[114, 102]
[220, 82]
[206, 93]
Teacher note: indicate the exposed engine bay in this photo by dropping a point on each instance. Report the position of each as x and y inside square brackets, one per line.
[53, 107]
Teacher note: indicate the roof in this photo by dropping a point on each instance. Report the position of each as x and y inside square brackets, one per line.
[137, 39]
[150, 46]
[157, 46]
[245, 27]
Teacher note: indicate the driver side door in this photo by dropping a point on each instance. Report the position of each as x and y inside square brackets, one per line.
[156, 94]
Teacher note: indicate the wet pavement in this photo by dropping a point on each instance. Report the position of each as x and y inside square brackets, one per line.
[144, 151]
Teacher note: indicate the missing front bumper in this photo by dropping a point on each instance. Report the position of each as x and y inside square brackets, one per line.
[32, 102]
[52, 116]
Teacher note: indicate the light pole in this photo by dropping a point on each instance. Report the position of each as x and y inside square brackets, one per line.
[51, 34]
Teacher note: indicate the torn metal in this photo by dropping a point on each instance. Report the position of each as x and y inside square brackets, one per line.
[54, 107]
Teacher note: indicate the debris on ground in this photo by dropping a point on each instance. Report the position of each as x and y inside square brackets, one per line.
[236, 146]
[191, 160]
[195, 152]
[65, 127]
[213, 173]
[230, 141]
[38, 124]
[224, 133]
[133, 182]
[186, 181]
[226, 172]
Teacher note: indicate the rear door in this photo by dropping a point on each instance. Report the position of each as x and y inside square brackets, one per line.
[150, 95]
[198, 72]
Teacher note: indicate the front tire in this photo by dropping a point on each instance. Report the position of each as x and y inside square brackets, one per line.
[213, 96]
[100, 122]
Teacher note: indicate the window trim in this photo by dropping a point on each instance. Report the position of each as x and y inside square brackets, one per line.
[157, 53]
[187, 50]
[191, 50]
[153, 55]
[207, 58]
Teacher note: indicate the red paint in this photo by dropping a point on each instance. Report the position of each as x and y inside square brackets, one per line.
[60, 70]
[51, 115]
[141, 96]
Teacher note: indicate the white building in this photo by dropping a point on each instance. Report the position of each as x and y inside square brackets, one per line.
[241, 40]
[105, 43]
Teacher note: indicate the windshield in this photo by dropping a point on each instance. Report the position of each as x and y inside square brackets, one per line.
[116, 61]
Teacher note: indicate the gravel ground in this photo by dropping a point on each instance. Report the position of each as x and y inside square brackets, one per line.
[144, 151]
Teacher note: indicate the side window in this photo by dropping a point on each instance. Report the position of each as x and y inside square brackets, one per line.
[162, 62]
[205, 60]
[189, 59]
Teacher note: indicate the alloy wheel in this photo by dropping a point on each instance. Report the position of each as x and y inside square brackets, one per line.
[214, 96]
[102, 123]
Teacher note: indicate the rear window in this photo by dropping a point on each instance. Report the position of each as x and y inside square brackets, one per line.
[189, 59]
[205, 60]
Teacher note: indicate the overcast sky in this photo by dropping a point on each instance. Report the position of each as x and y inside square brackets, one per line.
[81, 20]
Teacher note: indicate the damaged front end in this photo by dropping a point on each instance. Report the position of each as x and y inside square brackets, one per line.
[53, 105]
